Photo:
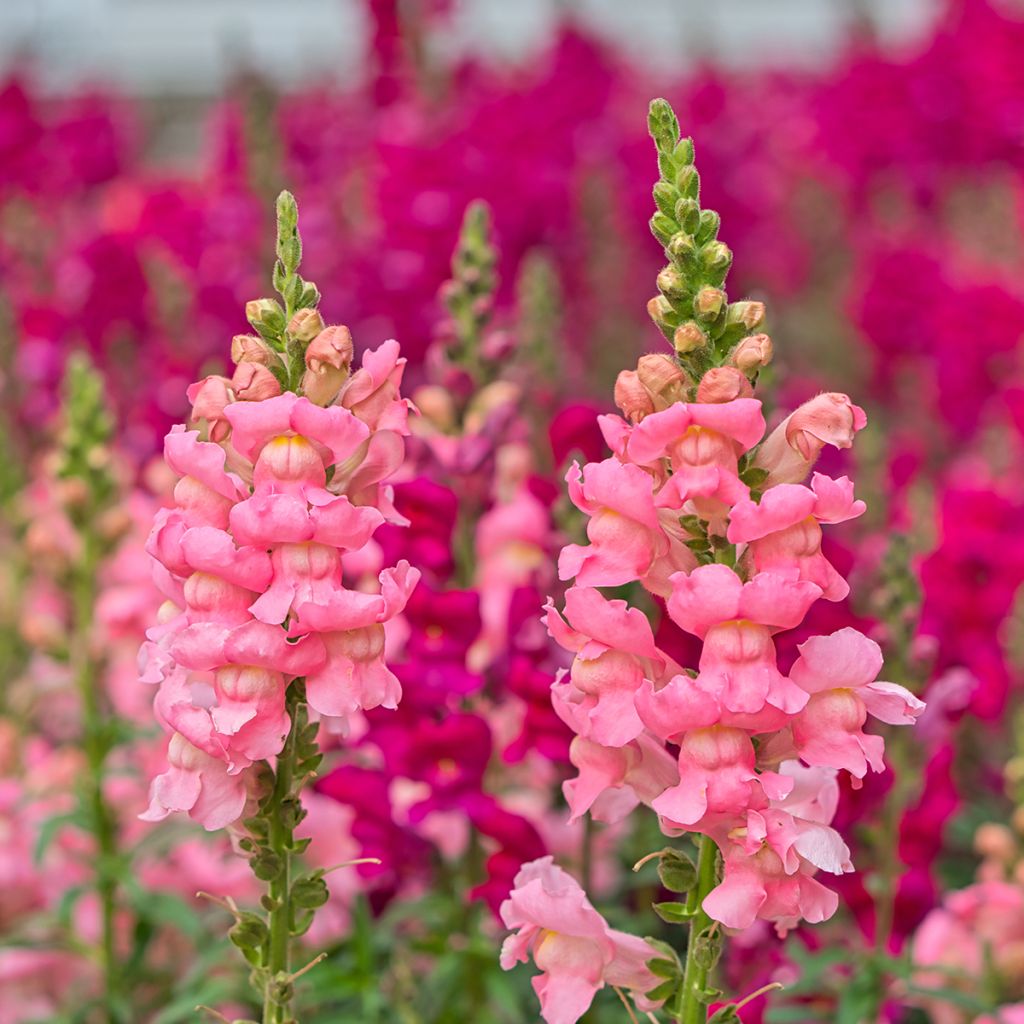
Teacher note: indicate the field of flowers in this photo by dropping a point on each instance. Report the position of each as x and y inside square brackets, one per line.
[470, 635]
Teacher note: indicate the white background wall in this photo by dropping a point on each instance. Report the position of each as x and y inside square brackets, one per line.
[187, 47]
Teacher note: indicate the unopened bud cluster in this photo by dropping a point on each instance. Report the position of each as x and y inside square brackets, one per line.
[692, 308]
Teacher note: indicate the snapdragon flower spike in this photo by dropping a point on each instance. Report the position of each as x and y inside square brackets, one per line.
[701, 504]
[276, 492]
[571, 943]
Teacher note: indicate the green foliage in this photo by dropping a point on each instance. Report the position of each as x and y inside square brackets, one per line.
[469, 294]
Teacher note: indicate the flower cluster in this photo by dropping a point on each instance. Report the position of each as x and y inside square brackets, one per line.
[270, 510]
[707, 512]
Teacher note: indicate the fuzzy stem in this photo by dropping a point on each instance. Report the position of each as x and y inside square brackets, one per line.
[277, 997]
[102, 823]
[692, 1006]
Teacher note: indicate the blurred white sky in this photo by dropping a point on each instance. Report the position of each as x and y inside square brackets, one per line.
[188, 47]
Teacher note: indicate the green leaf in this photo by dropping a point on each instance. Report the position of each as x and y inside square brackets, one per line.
[664, 968]
[724, 1015]
[676, 871]
[663, 991]
[673, 913]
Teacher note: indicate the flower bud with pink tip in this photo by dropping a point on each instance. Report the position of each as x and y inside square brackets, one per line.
[328, 363]
[792, 448]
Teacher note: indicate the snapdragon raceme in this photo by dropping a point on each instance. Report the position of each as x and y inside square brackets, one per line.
[707, 512]
[283, 481]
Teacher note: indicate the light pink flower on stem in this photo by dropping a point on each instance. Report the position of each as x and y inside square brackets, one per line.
[703, 443]
[372, 392]
[614, 780]
[977, 931]
[736, 620]
[351, 624]
[792, 448]
[615, 652]
[717, 780]
[571, 943]
[783, 530]
[627, 538]
[840, 672]
[198, 784]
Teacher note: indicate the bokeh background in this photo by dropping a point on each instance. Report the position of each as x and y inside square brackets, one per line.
[866, 160]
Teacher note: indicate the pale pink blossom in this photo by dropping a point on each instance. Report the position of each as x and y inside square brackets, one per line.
[571, 943]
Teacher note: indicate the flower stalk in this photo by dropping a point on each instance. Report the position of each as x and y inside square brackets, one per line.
[90, 490]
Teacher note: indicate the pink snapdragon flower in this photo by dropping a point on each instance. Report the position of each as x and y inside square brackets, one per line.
[748, 564]
[571, 943]
[267, 513]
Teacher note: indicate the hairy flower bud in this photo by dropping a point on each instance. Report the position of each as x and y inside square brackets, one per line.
[265, 315]
[748, 314]
[305, 325]
[723, 384]
[328, 359]
[708, 303]
[663, 378]
[252, 382]
[752, 353]
[248, 348]
[671, 282]
[632, 397]
[689, 337]
[659, 309]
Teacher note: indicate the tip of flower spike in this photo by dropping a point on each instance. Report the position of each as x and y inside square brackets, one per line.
[663, 124]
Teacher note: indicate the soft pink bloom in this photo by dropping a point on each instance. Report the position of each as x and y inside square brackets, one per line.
[613, 780]
[703, 443]
[976, 931]
[199, 785]
[351, 624]
[717, 780]
[627, 538]
[792, 448]
[783, 530]
[372, 392]
[570, 942]
[840, 672]
[615, 652]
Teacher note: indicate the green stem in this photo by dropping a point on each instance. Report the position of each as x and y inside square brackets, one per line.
[95, 741]
[277, 996]
[692, 1006]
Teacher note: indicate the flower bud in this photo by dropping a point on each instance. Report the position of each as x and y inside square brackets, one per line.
[662, 377]
[248, 348]
[748, 314]
[252, 382]
[716, 256]
[659, 309]
[689, 337]
[209, 397]
[995, 841]
[328, 359]
[305, 325]
[671, 282]
[752, 353]
[723, 384]
[682, 246]
[708, 303]
[265, 315]
[632, 397]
